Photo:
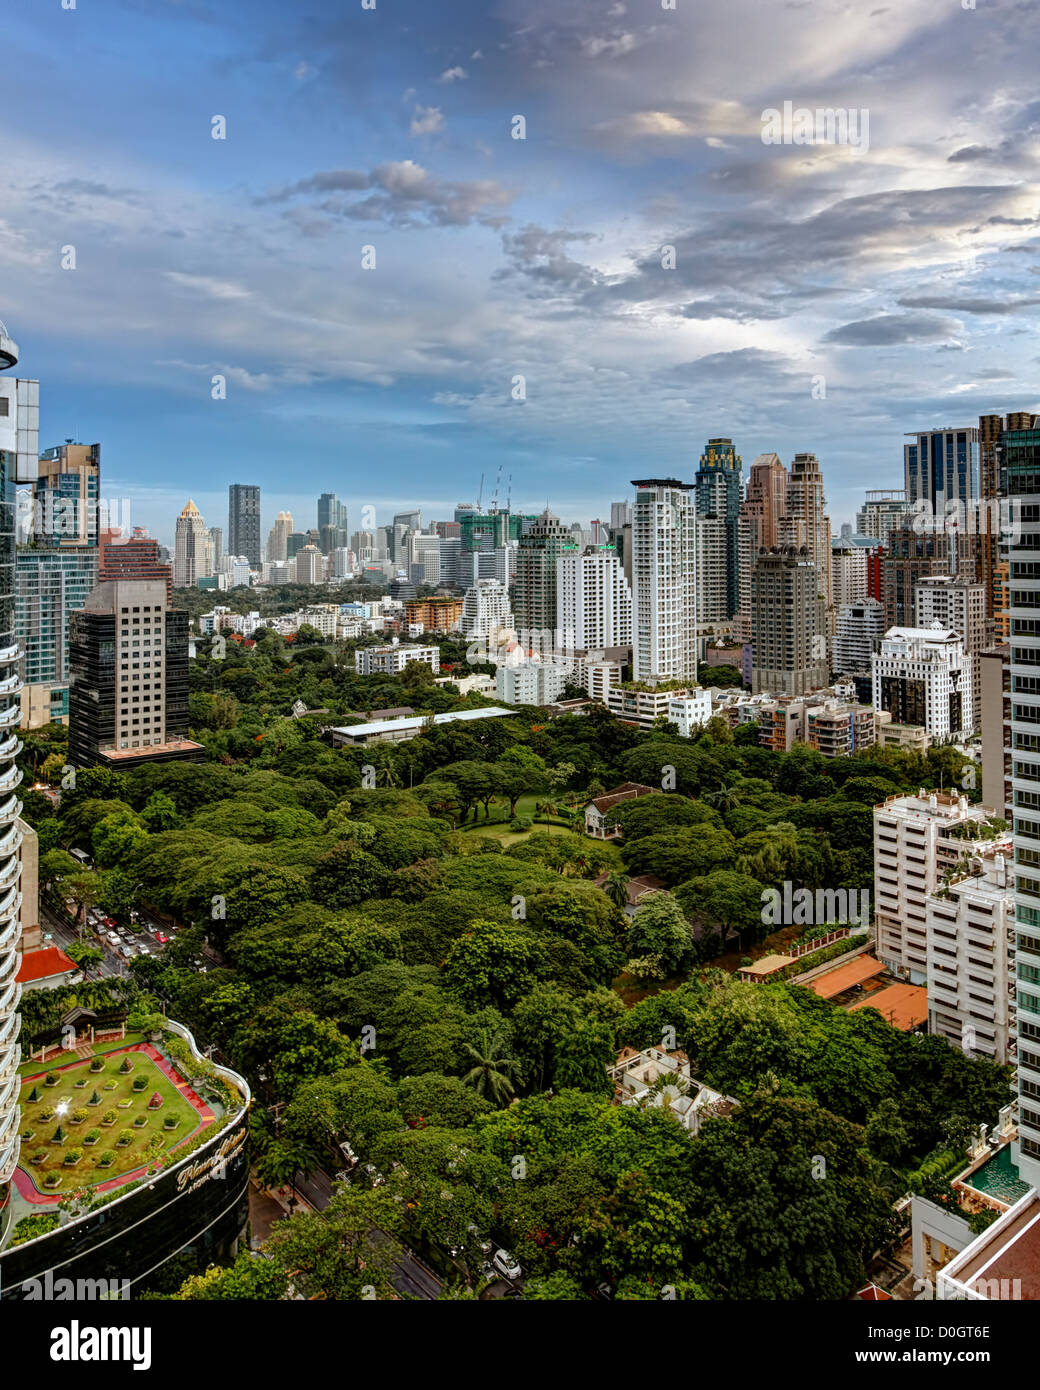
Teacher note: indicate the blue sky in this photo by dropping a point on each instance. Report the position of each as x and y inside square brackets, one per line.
[906, 275]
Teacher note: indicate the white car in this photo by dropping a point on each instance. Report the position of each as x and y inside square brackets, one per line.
[113, 938]
[506, 1265]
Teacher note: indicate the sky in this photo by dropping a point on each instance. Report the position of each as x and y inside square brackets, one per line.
[654, 272]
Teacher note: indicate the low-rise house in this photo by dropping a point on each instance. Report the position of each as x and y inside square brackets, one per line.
[599, 822]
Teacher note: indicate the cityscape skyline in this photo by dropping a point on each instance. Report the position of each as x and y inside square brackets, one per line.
[195, 257]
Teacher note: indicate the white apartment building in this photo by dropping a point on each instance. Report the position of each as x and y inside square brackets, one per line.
[593, 601]
[858, 629]
[393, 658]
[598, 676]
[849, 572]
[664, 581]
[642, 706]
[323, 617]
[971, 956]
[923, 678]
[308, 566]
[959, 605]
[689, 712]
[532, 683]
[712, 570]
[918, 840]
[485, 609]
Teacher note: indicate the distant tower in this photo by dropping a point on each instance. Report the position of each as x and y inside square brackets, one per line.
[244, 522]
[193, 548]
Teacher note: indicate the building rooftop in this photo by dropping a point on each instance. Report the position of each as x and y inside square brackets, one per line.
[905, 1006]
[43, 964]
[768, 965]
[847, 976]
[625, 792]
[1004, 1262]
[382, 726]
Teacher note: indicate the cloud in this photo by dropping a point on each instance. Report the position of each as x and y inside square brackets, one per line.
[887, 330]
[971, 304]
[400, 192]
[207, 285]
[455, 74]
[426, 120]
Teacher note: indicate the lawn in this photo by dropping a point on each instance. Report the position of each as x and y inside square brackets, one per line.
[127, 1104]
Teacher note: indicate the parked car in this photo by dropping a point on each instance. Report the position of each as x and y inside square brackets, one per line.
[113, 938]
[506, 1265]
[161, 937]
[142, 948]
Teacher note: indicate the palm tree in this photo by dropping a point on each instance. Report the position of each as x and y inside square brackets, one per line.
[490, 1076]
[616, 888]
[723, 798]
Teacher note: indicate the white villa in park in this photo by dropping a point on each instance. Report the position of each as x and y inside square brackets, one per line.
[655, 1077]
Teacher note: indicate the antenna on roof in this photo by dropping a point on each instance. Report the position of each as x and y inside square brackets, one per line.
[480, 494]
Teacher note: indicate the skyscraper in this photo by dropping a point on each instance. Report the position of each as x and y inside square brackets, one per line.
[664, 581]
[193, 548]
[719, 492]
[788, 630]
[941, 466]
[128, 677]
[593, 600]
[243, 536]
[137, 558]
[758, 527]
[51, 582]
[805, 524]
[332, 512]
[1020, 480]
[67, 493]
[534, 607]
[19, 406]
[883, 510]
[279, 535]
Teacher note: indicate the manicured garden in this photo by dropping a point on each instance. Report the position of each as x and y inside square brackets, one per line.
[99, 1118]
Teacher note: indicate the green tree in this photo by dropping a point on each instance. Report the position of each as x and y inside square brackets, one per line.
[491, 1075]
[659, 928]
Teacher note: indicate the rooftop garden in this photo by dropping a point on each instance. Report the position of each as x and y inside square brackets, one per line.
[98, 1119]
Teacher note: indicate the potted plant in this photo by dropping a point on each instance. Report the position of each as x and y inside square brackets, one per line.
[140, 1121]
[79, 1085]
[125, 1137]
[97, 1064]
[108, 1118]
[110, 1085]
[51, 1079]
[106, 1159]
[77, 1117]
[139, 1083]
[126, 1065]
[92, 1136]
[170, 1122]
[95, 1098]
[72, 1157]
[52, 1180]
[40, 1156]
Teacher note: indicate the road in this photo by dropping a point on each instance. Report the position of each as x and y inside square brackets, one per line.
[411, 1276]
[111, 965]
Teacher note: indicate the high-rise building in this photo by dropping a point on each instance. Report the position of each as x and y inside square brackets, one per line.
[50, 583]
[713, 570]
[923, 677]
[279, 535]
[539, 549]
[193, 548]
[19, 419]
[884, 510]
[1020, 480]
[531, 683]
[68, 490]
[918, 841]
[485, 610]
[991, 565]
[805, 524]
[859, 628]
[243, 536]
[941, 466]
[758, 527]
[788, 627]
[850, 569]
[718, 486]
[424, 558]
[216, 537]
[912, 553]
[664, 581]
[960, 604]
[309, 565]
[136, 558]
[128, 677]
[332, 513]
[593, 603]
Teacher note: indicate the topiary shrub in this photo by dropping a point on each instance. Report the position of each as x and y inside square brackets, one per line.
[124, 1137]
[106, 1159]
[92, 1136]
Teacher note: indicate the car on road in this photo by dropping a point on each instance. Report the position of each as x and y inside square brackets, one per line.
[506, 1265]
[142, 948]
[111, 937]
[161, 937]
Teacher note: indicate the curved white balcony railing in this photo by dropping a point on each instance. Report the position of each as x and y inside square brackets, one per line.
[10, 778]
[10, 994]
[10, 653]
[10, 839]
[9, 933]
[9, 902]
[10, 1061]
[10, 809]
[11, 869]
[9, 1030]
[9, 684]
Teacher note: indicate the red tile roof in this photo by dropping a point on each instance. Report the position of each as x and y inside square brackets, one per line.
[43, 964]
